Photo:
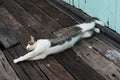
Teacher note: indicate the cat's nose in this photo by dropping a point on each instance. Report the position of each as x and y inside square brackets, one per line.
[28, 49]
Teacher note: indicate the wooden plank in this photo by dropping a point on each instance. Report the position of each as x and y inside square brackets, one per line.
[7, 37]
[55, 13]
[77, 67]
[104, 48]
[105, 67]
[76, 14]
[44, 19]
[29, 22]
[15, 26]
[108, 40]
[27, 70]
[6, 71]
[20, 72]
[53, 72]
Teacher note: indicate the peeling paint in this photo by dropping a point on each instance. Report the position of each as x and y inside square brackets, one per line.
[113, 55]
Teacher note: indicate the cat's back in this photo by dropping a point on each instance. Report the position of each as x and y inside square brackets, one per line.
[67, 36]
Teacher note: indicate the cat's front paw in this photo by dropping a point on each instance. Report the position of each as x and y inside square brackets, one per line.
[15, 60]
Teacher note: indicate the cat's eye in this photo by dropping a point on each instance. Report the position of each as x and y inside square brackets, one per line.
[30, 43]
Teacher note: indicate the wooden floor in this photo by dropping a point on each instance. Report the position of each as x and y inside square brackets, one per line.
[86, 61]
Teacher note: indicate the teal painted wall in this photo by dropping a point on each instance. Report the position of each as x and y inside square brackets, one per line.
[107, 11]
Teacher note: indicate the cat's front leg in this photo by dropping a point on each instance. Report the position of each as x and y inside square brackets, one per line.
[17, 60]
[87, 34]
[26, 57]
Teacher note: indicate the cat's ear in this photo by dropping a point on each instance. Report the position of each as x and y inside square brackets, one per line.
[33, 39]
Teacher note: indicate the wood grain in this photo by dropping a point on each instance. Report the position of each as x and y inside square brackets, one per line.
[90, 52]
[105, 67]
[27, 70]
[15, 26]
[103, 48]
[55, 13]
[44, 19]
[7, 37]
[55, 72]
[6, 71]
[40, 18]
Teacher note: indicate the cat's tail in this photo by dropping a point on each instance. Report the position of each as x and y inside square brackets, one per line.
[99, 22]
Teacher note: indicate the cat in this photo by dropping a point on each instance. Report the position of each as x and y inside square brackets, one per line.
[41, 48]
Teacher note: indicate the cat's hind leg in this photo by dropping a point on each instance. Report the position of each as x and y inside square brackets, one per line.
[87, 34]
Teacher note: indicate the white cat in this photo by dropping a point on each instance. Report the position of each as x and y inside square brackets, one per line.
[44, 47]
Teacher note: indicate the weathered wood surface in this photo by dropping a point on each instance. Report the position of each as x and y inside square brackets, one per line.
[51, 70]
[56, 14]
[7, 37]
[41, 18]
[15, 26]
[6, 71]
[97, 61]
[90, 51]
[27, 70]
[29, 22]
[54, 70]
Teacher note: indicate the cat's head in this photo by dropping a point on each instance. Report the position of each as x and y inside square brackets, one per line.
[31, 44]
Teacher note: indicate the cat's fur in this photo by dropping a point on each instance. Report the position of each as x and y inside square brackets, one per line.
[44, 47]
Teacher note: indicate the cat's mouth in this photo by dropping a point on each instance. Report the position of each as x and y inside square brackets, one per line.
[28, 49]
